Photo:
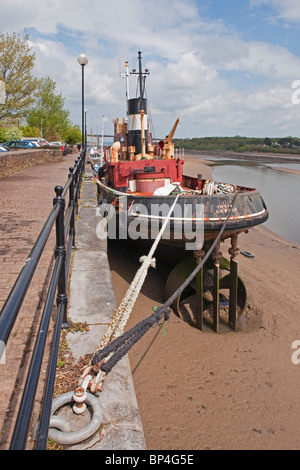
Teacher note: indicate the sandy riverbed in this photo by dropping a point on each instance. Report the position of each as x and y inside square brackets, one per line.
[231, 390]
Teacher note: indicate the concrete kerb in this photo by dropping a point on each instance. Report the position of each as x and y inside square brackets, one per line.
[92, 300]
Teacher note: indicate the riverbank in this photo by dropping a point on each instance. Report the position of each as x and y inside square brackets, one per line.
[261, 156]
[232, 390]
[193, 159]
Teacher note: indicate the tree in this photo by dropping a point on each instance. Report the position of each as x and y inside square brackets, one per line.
[72, 135]
[16, 64]
[10, 133]
[48, 113]
[267, 141]
[29, 131]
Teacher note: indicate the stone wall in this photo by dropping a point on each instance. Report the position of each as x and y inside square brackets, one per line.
[18, 160]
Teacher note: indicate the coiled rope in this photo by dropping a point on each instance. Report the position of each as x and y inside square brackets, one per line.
[212, 187]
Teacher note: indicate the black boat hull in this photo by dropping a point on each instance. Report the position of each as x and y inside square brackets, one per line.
[195, 215]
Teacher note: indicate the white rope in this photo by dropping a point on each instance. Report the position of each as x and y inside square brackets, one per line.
[121, 316]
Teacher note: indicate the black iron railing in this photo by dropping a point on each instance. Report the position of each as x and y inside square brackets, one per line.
[64, 220]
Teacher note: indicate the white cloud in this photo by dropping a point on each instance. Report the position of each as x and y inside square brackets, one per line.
[267, 59]
[259, 58]
[285, 9]
[187, 55]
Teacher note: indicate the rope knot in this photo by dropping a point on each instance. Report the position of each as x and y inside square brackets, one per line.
[152, 262]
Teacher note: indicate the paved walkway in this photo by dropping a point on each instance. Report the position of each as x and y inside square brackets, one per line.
[26, 200]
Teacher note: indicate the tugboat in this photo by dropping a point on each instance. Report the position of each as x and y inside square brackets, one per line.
[142, 185]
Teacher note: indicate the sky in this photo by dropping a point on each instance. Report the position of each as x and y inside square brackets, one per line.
[223, 67]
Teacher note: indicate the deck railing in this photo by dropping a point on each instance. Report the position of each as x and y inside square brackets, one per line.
[64, 220]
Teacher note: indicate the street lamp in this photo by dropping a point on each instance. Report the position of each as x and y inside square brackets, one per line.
[82, 60]
[85, 133]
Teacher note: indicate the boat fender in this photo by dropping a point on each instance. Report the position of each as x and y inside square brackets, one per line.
[247, 254]
[168, 189]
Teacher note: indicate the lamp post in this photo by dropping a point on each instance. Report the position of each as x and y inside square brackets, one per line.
[85, 132]
[82, 60]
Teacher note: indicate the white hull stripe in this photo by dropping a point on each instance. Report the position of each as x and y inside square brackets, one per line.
[205, 219]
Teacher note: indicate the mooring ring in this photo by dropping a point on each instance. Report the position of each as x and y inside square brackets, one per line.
[73, 437]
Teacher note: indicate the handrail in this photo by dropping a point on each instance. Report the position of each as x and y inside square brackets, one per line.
[64, 226]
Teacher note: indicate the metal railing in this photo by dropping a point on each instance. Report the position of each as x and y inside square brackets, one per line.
[64, 220]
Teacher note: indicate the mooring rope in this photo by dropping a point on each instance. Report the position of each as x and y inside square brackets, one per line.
[121, 316]
[105, 358]
[121, 345]
[102, 360]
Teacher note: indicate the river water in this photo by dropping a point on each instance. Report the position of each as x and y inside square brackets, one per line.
[280, 190]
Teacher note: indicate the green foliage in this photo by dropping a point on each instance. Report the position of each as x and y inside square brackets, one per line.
[241, 144]
[16, 65]
[48, 113]
[25, 96]
[72, 135]
[29, 131]
[2, 135]
[10, 133]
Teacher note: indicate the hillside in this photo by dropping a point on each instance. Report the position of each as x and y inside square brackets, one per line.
[241, 144]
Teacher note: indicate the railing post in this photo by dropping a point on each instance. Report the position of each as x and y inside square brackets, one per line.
[79, 167]
[60, 250]
[80, 170]
[76, 185]
[73, 208]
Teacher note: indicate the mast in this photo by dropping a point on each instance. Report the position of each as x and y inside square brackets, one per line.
[127, 81]
[137, 119]
[141, 80]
